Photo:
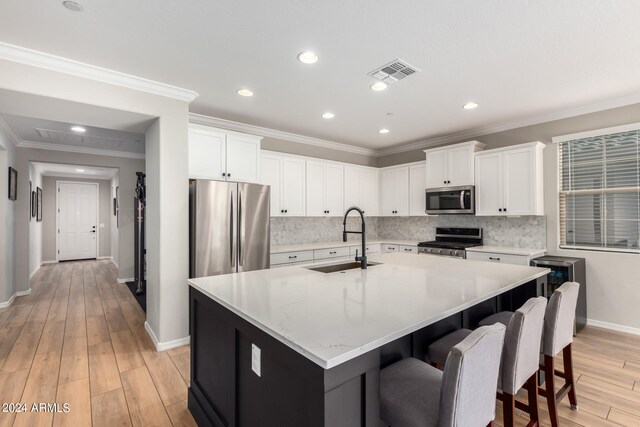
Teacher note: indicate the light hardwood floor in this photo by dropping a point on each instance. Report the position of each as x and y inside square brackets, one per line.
[79, 338]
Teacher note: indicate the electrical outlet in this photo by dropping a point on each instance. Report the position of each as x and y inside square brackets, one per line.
[255, 359]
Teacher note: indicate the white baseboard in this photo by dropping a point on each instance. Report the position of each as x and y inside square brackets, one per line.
[129, 279]
[104, 257]
[53, 261]
[33, 273]
[10, 301]
[162, 346]
[613, 326]
[7, 303]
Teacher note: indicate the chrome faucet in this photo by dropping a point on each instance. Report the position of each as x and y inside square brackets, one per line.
[363, 257]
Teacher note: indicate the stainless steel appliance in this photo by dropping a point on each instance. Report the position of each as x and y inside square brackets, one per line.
[452, 242]
[566, 269]
[229, 227]
[450, 200]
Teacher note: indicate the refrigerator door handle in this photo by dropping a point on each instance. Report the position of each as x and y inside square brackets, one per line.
[232, 254]
[240, 230]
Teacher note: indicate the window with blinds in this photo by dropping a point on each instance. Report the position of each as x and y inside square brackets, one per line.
[600, 192]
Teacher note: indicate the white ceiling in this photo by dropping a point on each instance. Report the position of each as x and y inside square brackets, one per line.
[73, 171]
[31, 129]
[517, 59]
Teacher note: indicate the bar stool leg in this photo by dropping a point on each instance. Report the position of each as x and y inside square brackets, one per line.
[508, 409]
[550, 389]
[568, 374]
[532, 395]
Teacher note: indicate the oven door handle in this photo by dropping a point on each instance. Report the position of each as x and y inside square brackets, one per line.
[462, 199]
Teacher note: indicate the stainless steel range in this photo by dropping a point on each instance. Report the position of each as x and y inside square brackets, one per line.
[452, 242]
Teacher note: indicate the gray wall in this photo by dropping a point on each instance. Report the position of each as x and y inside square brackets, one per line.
[35, 226]
[291, 147]
[105, 215]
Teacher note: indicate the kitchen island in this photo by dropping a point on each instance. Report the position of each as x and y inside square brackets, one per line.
[297, 347]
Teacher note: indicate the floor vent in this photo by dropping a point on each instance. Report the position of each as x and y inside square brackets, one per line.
[394, 71]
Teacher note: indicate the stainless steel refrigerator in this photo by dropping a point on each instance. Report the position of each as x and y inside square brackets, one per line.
[229, 227]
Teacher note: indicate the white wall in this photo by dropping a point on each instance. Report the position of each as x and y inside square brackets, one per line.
[35, 226]
[7, 208]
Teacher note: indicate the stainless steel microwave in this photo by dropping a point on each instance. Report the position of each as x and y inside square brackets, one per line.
[451, 200]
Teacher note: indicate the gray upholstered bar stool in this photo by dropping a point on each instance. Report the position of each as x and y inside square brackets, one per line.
[557, 336]
[415, 394]
[520, 358]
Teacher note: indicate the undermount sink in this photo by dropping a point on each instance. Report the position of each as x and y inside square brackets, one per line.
[340, 267]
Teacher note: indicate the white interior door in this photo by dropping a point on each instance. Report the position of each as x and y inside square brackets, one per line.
[77, 220]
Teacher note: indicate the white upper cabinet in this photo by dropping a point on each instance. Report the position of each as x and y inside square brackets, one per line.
[286, 176]
[223, 155]
[451, 166]
[417, 182]
[394, 182]
[324, 188]
[361, 189]
[509, 181]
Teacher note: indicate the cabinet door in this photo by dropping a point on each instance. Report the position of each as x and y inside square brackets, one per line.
[402, 191]
[388, 193]
[243, 158]
[334, 189]
[207, 153]
[460, 166]
[293, 185]
[271, 174]
[352, 187]
[314, 188]
[489, 184]
[417, 179]
[436, 169]
[519, 182]
[369, 191]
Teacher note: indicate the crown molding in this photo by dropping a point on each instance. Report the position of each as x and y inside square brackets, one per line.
[68, 66]
[272, 133]
[79, 150]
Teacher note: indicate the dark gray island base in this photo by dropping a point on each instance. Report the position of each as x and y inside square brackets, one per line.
[293, 390]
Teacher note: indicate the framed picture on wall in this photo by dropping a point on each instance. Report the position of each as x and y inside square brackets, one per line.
[34, 203]
[13, 183]
[30, 200]
[117, 206]
[38, 204]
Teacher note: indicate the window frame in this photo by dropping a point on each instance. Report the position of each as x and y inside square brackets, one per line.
[558, 140]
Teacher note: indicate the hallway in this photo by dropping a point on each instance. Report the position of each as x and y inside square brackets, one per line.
[79, 338]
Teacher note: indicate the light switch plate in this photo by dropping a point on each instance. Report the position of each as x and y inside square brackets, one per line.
[255, 359]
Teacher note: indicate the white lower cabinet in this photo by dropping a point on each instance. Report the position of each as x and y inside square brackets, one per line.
[404, 249]
[500, 258]
[284, 258]
[388, 248]
[371, 249]
[319, 254]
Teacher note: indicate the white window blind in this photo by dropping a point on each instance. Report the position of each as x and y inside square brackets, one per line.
[600, 192]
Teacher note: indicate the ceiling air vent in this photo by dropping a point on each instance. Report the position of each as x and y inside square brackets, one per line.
[394, 71]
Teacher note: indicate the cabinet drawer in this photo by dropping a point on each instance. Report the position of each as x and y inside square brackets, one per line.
[503, 258]
[371, 249]
[289, 257]
[330, 253]
[387, 248]
[408, 249]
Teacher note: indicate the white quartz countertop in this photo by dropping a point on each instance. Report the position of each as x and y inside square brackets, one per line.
[337, 244]
[508, 250]
[332, 318]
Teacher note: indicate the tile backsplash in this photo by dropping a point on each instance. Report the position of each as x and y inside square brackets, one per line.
[526, 231]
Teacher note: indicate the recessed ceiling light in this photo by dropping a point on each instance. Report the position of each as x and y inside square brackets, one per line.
[244, 92]
[79, 170]
[470, 106]
[378, 86]
[328, 115]
[73, 6]
[78, 129]
[307, 57]
[383, 131]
